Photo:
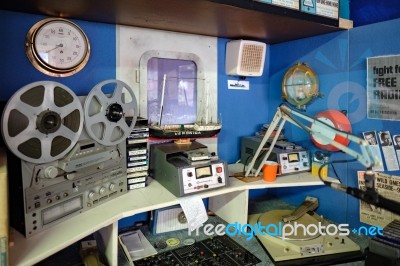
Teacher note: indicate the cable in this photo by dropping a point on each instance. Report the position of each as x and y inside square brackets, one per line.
[336, 174]
[369, 195]
[247, 159]
[331, 163]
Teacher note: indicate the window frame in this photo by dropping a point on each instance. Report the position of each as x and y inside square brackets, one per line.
[201, 101]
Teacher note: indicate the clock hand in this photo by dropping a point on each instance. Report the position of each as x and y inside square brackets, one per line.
[57, 46]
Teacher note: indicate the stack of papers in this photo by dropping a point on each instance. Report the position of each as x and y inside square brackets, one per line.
[135, 245]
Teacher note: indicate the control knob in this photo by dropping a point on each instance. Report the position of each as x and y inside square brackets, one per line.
[102, 190]
[51, 172]
[70, 176]
[91, 195]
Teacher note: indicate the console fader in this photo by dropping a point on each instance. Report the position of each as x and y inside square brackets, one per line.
[216, 251]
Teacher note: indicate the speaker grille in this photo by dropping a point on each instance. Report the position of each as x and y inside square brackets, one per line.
[252, 58]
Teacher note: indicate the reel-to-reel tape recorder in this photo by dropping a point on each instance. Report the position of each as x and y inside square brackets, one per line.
[67, 153]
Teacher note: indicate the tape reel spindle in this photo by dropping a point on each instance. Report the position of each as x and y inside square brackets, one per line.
[105, 112]
[42, 121]
[70, 158]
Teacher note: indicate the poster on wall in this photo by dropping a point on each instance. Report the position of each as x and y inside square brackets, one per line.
[383, 87]
[387, 186]
[396, 141]
[370, 136]
[388, 151]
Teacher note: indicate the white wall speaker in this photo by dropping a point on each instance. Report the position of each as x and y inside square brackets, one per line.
[245, 58]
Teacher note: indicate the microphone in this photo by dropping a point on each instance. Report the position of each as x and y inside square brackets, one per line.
[369, 196]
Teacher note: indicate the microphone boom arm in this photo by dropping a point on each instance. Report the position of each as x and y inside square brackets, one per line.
[364, 156]
[284, 113]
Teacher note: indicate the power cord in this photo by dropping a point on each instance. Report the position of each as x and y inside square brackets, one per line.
[370, 195]
[326, 163]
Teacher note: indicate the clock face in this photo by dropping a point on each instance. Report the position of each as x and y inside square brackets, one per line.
[57, 47]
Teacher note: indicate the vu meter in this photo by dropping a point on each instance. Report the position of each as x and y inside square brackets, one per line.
[187, 169]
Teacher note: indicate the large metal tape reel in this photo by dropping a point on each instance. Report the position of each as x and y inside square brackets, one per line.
[105, 110]
[42, 121]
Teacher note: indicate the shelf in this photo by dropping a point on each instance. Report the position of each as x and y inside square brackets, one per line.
[220, 18]
[292, 180]
[154, 196]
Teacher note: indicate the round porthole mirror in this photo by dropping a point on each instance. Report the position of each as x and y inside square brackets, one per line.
[300, 85]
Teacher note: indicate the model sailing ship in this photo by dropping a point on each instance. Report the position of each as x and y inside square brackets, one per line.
[201, 128]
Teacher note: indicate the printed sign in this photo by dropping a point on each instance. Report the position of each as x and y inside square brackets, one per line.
[383, 87]
[326, 8]
[387, 186]
[294, 4]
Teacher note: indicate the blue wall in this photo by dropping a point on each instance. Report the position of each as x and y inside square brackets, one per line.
[17, 71]
[248, 110]
[338, 58]
[371, 11]
[242, 111]
[327, 55]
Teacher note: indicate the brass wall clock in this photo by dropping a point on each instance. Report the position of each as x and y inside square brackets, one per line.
[57, 47]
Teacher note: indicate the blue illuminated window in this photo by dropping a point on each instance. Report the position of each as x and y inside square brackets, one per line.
[172, 85]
